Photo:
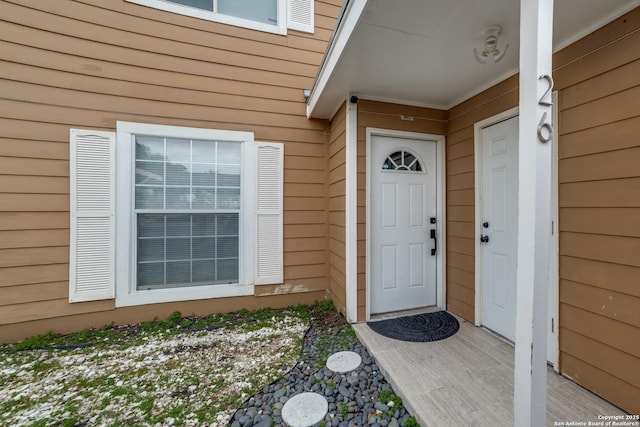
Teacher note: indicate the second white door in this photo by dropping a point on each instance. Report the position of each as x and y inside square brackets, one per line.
[403, 203]
[499, 226]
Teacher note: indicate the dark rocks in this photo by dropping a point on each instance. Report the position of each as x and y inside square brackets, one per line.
[352, 396]
[344, 391]
[381, 406]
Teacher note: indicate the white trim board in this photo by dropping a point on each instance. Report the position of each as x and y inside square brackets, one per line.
[554, 250]
[441, 261]
[351, 211]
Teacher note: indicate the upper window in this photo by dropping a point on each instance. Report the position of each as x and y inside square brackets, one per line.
[264, 15]
[402, 160]
[263, 11]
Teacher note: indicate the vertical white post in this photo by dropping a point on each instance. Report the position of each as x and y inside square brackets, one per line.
[534, 215]
[351, 210]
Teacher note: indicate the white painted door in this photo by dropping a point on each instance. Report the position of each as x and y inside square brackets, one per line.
[403, 201]
[499, 225]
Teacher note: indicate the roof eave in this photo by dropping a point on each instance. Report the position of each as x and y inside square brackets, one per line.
[348, 20]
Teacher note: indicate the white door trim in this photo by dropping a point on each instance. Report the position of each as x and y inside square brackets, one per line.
[351, 211]
[554, 250]
[441, 209]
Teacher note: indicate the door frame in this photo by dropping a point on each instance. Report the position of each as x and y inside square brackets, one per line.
[554, 246]
[440, 209]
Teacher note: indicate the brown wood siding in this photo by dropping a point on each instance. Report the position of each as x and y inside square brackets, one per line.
[88, 63]
[72, 317]
[599, 192]
[383, 115]
[336, 159]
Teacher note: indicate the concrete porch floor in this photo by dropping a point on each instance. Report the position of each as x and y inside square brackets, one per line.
[467, 380]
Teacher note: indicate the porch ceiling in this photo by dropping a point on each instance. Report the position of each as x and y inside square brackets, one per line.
[420, 52]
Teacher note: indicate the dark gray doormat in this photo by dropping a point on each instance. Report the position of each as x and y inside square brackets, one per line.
[418, 328]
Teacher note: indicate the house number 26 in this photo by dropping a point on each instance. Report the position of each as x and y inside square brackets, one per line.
[545, 130]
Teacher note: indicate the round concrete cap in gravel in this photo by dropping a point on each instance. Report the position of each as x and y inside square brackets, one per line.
[344, 361]
[305, 409]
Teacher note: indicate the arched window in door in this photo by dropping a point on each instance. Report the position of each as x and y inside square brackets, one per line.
[402, 160]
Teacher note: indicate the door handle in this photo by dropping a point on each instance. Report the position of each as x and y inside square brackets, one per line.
[435, 242]
[484, 238]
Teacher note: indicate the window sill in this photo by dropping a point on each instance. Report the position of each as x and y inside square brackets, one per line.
[183, 294]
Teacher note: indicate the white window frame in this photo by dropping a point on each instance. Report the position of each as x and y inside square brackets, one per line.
[126, 292]
[280, 28]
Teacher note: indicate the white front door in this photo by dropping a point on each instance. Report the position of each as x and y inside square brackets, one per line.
[402, 215]
[499, 226]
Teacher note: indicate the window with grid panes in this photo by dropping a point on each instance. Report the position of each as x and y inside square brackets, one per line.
[187, 212]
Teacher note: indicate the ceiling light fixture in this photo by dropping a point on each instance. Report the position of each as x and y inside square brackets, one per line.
[490, 39]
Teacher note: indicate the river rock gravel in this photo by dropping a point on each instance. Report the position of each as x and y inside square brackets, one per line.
[354, 397]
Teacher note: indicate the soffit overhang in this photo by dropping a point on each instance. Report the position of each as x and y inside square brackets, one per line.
[420, 52]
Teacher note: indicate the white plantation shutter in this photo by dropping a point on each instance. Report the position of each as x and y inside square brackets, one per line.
[300, 15]
[92, 244]
[269, 194]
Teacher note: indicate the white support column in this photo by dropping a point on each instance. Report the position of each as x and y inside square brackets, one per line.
[351, 210]
[534, 215]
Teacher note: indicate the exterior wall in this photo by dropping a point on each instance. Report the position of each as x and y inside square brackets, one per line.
[599, 195]
[337, 215]
[88, 63]
[599, 184]
[383, 115]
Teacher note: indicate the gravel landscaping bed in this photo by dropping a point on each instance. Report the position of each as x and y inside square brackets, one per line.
[357, 398]
[194, 371]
